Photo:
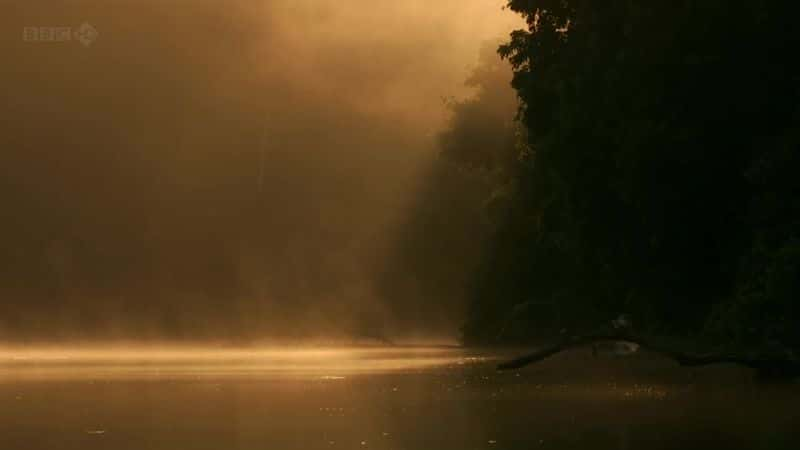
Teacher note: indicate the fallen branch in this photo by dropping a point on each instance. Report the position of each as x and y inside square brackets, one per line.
[773, 363]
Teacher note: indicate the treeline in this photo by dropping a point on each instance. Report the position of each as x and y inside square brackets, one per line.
[654, 173]
[429, 270]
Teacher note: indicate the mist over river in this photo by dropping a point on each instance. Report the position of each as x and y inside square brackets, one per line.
[374, 398]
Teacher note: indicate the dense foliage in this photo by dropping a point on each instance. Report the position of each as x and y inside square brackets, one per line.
[659, 176]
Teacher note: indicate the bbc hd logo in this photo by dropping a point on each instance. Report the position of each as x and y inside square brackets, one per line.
[85, 34]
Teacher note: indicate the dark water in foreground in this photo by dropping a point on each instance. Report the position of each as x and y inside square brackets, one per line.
[424, 398]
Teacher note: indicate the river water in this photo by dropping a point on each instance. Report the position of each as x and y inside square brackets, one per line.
[401, 398]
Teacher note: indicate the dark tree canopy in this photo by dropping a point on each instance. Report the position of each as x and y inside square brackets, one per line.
[659, 176]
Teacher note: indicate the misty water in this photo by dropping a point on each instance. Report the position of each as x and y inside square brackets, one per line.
[371, 398]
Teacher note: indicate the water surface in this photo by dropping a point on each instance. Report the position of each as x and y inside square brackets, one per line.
[401, 398]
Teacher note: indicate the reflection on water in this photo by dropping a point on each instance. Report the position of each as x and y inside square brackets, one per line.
[400, 398]
[160, 363]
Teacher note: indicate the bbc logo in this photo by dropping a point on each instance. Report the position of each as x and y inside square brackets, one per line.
[47, 34]
[85, 34]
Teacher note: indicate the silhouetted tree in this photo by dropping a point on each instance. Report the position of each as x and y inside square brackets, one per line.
[661, 139]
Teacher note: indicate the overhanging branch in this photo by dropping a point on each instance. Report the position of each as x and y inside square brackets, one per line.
[772, 362]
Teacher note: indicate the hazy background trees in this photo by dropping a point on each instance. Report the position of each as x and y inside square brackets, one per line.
[211, 169]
